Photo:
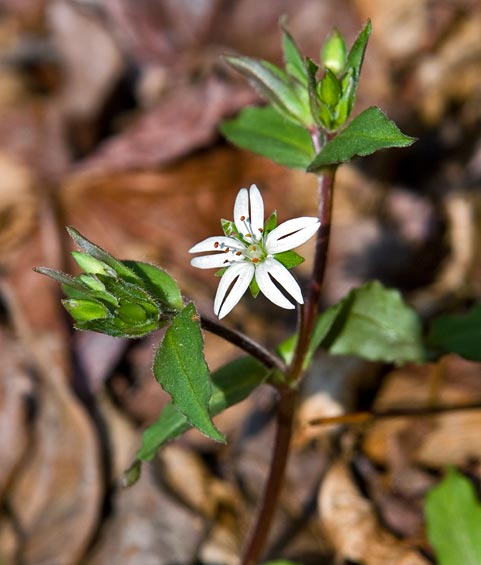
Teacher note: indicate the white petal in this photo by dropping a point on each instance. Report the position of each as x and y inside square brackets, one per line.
[269, 289]
[213, 261]
[284, 278]
[222, 242]
[291, 234]
[257, 210]
[241, 208]
[225, 300]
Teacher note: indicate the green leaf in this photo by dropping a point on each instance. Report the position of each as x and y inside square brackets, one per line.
[374, 323]
[273, 85]
[181, 370]
[453, 514]
[98, 253]
[159, 283]
[367, 133]
[289, 259]
[371, 322]
[356, 54]
[62, 278]
[324, 323]
[230, 384]
[459, 334]
[333, 52]
[265, 132]
[293, 59]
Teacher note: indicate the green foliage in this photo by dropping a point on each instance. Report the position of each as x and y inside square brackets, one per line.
[453, 514]
[289, 259]
[367, 133]
[266, 132]
[118, 298]
[275, 86]
[294, 63]
[231, 384]
[371, 322]
[459, 334]
[181, 370]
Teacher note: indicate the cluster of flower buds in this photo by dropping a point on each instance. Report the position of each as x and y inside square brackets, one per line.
[313, 95]
[118, 298]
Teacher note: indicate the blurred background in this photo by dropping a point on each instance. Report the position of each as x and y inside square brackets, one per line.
[109, 113]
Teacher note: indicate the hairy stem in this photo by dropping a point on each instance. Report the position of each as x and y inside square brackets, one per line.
[244, 342]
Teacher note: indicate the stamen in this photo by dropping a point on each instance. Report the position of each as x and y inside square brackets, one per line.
[261, 229]
[248, 235]
[216, 244]
[242, 218]
[239, 253]
[226, 250]
[253, 248]
[255, 260]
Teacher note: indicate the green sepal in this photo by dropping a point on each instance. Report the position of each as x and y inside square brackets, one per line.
[98, 253]
[333, 52]
[254, 288]
[83, 311]
[330, 89]
[228, 227]
[181, 370]
[91, 265]
[345, 104]
[270, 223]
[160, 285]
[220, 272]
[369, 132]
[289, 259]
[312, 87]
[265, 132]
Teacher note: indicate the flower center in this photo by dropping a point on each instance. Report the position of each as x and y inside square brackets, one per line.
[254, 253]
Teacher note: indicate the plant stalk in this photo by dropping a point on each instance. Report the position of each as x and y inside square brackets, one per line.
[284, 422]
[288, 398]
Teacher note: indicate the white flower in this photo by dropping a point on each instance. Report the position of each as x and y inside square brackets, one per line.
[248, 251]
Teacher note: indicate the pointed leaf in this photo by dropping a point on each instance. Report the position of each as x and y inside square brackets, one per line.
[367, 133]
[98, 253]
[293, 59]
[62, 278]
[90, 265]
[461, 334]
[158, 283]
[356, 54]
[265, 132]
[374, 323]
[272, 84]
[181, 370]
[230, 384]
[453, 514]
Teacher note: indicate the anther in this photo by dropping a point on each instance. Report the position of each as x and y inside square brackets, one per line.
[261, 230]
[239, 253]
[242, 218]
[255, 260]
[216, 244]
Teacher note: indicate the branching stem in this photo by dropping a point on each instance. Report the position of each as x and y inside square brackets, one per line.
[244, 342]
